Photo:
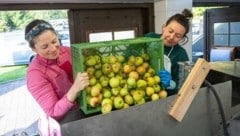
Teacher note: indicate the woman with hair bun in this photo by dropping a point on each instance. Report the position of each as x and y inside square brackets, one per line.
[49, 75]
[174, 31]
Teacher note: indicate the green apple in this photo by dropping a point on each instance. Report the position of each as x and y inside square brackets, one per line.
[106, 108]
[98, 73]
[128, 99]
[104, 81]
[112, 59]
[111, 74]
[141, 83]
[151, 71]
[150, 81]
[118, 102]
[145, 56]
[131, 60]
[143, 92]
[95, 91]
[92, 81]
[99, 86]
[137, 95]
[106, 68]
[141, 101]
[98, 59]
[131, 82]
[91, 61]
[123, 83]
[120, 77]
[125, 105]
[115, 91]
[98, 66]
[138, 61]
[88, 89]
[116, 67]
[157, 88]
[106, 100]
[114, 82]
[107, 93]
[90, 71]
[149, 91]
[123, 92]
[146, 75]
[120, 58]
[157, 79]
[155, 97]
[104, 59]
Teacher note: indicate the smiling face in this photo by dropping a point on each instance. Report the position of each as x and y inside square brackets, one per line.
[47, 45]
[173, 33]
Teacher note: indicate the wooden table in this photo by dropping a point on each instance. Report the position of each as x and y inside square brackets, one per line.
[231, 68]
[225, 71]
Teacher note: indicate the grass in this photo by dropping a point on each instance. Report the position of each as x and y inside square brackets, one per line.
[12, 73]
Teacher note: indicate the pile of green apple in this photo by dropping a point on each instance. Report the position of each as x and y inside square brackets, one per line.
[117, 82]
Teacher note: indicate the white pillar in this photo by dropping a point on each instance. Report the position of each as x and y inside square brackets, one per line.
[163, 9]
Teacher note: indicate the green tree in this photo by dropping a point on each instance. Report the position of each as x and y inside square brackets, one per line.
[11, 20]
[199, 11]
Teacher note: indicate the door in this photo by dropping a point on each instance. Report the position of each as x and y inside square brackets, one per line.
[221, 33]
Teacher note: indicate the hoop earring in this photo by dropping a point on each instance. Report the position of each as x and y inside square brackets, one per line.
[183, 41]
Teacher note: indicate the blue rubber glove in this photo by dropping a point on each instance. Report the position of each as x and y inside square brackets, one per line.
[165, 77]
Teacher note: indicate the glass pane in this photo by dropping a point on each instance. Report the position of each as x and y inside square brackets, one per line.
[234, 40]
[14, 49]
[235, 27]
[64, 37]
[221, 40]
[220, 28]
[124, 34]
[101, 36]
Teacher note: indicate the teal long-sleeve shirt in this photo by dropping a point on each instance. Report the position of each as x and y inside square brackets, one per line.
[178, 54]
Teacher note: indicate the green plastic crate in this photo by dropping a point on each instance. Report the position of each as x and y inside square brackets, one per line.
[152, 46]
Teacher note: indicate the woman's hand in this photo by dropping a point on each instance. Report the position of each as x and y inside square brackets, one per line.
[81, 81]
[165, 77]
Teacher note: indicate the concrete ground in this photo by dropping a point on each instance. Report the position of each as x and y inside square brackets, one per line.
[19, 112]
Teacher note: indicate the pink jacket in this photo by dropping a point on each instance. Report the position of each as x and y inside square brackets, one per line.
[49, 80]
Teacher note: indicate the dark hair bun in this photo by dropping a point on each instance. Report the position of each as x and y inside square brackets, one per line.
[187, 13]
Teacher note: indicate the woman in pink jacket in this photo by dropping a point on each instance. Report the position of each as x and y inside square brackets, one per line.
[49, 75]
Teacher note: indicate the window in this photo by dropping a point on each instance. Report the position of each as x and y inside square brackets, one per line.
[227, 34]
[124, 34]
[14, 50]
[100, 36]
[108, 36]
[234, 33]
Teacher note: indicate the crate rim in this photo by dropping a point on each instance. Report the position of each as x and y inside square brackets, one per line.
[116, 42]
